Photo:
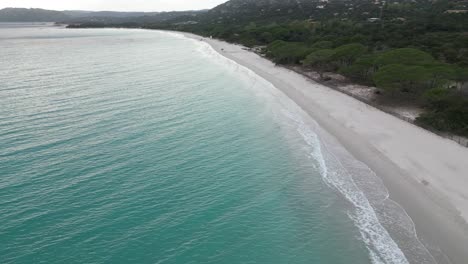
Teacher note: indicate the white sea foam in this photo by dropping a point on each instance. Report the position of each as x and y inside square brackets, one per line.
[381, 246]
[372, 211]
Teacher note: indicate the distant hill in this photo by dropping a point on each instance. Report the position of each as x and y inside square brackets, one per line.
[238, 11]
[110, 14]
[283, 10]
[31, 15]
[78, 16]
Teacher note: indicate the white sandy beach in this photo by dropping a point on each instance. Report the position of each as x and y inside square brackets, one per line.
[425, 173]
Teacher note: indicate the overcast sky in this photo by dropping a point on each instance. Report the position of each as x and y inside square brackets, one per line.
[114, 5]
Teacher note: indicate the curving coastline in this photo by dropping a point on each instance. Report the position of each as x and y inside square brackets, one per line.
[424, 173]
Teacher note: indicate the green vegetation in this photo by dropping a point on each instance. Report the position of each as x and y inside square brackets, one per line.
[321, 60]
[287, 52]
[448, 111]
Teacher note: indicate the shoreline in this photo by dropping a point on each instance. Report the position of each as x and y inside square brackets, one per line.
[422, 171]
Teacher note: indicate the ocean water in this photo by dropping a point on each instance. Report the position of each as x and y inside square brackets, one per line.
[133, 146]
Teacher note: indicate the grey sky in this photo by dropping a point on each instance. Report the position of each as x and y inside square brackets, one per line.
[114, 5]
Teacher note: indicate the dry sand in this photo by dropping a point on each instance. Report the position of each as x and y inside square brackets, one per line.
[425, 173]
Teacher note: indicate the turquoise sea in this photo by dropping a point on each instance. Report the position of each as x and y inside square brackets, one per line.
[133, 146]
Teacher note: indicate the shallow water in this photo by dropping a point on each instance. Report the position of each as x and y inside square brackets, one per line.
[132, 146]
